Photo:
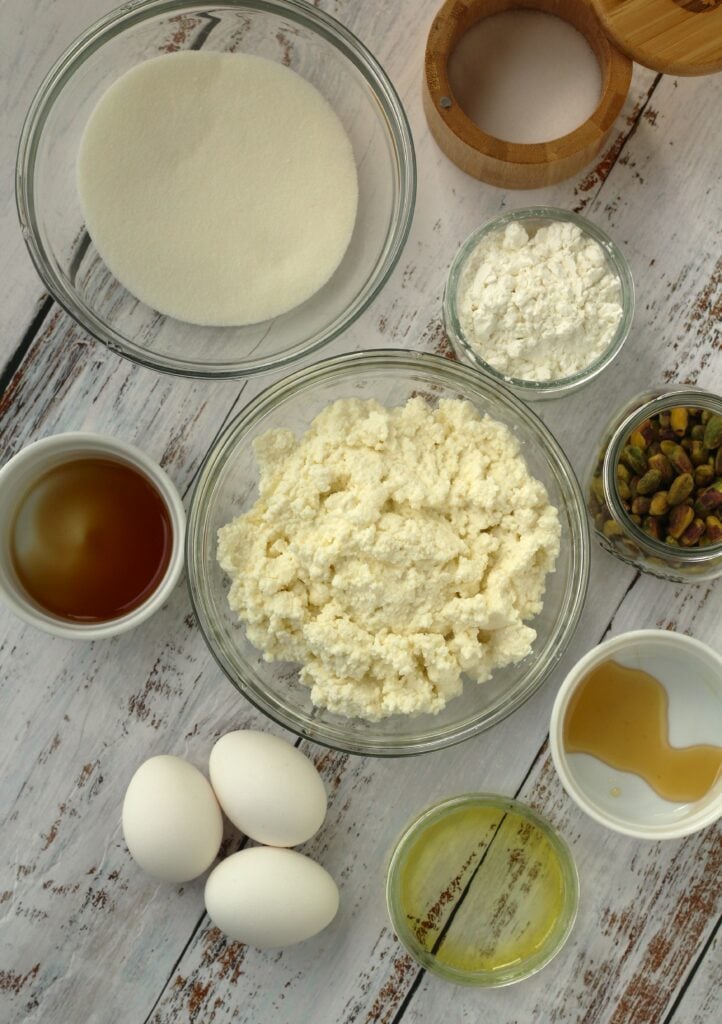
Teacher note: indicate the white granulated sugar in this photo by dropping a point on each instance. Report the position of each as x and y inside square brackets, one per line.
[219, 188]
[541, 306]
[525, 76]
[390, 552]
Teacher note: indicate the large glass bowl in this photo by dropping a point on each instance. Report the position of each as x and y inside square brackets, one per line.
[228, 485]
[289, 31]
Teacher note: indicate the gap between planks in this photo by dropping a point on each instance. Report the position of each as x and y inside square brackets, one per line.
[604, 166]
[21, 349]
[677, 1001]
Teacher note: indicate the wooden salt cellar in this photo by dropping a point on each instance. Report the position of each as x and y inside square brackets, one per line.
[687, 40]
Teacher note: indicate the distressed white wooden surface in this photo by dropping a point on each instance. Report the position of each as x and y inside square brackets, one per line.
[83, 935]
[32, 37]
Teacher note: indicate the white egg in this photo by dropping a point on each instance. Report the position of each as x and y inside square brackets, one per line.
[270, 897]
[268, 788]
[171, 820]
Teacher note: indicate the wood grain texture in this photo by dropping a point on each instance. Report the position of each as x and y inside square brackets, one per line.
[677, 37]
[83, 935]
[512, 164]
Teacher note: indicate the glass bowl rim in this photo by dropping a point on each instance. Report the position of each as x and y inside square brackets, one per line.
[563, 926]
[344, 367]
[114, 24]
[615, 258]
[659, 403]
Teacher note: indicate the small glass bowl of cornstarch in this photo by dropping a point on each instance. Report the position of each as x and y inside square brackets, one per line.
[540, 299]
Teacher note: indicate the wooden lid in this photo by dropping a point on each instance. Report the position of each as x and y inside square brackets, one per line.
[677, 37]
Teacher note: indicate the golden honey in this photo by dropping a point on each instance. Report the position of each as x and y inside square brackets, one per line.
[620, 715]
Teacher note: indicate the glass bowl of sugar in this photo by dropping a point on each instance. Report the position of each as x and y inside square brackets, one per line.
[540, 299]
[99, 255]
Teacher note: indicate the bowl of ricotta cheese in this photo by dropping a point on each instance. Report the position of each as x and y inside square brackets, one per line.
[387, 552]
[215, 191]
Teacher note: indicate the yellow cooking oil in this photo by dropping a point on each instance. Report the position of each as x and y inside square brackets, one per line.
[482, 889]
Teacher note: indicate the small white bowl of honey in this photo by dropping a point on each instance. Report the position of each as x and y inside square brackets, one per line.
[91, 535]
[636, 734]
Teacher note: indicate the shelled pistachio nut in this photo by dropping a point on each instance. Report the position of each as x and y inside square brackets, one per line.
[635, 459]
[713, 432]
[678, 420]
[650, 482]
[661, 463]
[713, 526]
[659, 504]
[680, 518]
[680, 489]
[693, 534]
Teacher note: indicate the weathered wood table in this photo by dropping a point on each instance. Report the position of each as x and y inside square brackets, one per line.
[85, 936]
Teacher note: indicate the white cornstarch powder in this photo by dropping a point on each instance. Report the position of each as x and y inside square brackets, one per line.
[219, 188]
[540, 306]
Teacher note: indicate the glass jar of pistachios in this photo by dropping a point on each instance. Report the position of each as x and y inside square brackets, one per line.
[655, 491]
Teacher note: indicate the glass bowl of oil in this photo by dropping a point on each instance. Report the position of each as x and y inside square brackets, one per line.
[481, 890]
[636, 733]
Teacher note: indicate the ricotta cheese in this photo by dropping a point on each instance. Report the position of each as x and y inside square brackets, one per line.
[390, 553]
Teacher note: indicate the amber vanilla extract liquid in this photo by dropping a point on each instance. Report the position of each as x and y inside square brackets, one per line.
[620, 715]
[91, 540]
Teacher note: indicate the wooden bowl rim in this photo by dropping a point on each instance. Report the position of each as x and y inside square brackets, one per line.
[612, 64]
